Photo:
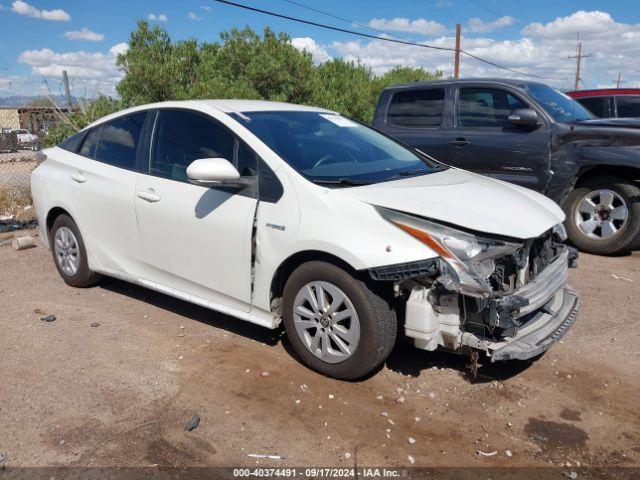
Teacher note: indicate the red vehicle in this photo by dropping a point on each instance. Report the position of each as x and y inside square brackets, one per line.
[610, 102]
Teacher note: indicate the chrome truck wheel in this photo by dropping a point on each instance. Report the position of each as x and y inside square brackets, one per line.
[601, 214]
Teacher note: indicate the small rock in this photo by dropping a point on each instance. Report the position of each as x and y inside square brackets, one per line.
[416, 419]
[508, 453]
[391, 422]
[48, 318]
[432, 395]
[95, 324]
[298, 401]
[193, 422]
[384, 414]
[264, 373]
[379, 397]
[331, 397]
[180, 357]
[411, 460]
[62, 442]
[401, 400]
[3, 457]
[347, 455]
[411, 440]
[571, 475]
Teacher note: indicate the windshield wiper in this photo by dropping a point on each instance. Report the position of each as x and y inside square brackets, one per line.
[340, 181]
[408, 173]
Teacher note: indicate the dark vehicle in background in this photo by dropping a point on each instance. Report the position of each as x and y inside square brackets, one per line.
[610, 102]
[532, 135]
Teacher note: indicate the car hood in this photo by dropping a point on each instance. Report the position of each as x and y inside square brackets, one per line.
[467, 200]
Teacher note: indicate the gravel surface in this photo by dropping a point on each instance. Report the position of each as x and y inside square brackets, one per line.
[116, 377]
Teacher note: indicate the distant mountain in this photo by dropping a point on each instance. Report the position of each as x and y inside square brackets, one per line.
[23, 100]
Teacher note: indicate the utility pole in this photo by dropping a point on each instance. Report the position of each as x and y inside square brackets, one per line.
[67, 91]
[579, 56]
[456, 64]
[619, 80]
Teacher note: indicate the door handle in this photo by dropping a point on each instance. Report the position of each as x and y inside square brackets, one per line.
[78, 177]
[148, 195]
[460, 142]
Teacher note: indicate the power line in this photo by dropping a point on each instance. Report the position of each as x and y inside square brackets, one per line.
[353, 22]
[366, 35]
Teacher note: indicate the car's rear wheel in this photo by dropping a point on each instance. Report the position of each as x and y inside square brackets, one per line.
[336, 324]
[70, 254]
[603, 216]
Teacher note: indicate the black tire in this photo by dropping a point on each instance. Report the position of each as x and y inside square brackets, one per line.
[627, 238]
[378, 321]
[84, 277]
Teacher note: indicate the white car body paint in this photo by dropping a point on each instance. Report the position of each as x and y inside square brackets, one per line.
[195, 243]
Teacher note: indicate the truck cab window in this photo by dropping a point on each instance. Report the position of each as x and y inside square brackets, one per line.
[485, 107]
[417, 108]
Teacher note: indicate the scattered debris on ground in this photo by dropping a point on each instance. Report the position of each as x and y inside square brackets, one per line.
[192, 423]
[48, 318]
[264, 455]
[24, 242]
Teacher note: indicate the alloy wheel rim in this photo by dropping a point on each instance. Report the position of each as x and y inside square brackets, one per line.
[67, 251]
[326, 321]
[601, 214]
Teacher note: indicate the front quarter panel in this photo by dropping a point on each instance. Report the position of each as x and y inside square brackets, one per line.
[326, 221]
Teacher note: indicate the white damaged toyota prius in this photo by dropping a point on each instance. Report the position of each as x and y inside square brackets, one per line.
[271, 212]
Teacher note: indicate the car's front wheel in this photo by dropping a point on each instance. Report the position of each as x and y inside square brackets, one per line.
[70, 254]
[603, 216]
[335, 322]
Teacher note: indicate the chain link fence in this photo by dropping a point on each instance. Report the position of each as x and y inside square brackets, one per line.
[15, 190]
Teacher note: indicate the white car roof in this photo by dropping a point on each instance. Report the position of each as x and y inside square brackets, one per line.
[226, 106]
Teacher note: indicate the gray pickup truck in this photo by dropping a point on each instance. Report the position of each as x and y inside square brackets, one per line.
[535, 136]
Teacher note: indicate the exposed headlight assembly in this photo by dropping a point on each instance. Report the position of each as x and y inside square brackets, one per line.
[468, 260]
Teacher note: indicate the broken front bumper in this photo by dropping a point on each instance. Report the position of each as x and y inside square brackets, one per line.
[524, 323]
[547, 326]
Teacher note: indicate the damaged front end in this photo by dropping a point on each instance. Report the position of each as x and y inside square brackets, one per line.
[505, 297]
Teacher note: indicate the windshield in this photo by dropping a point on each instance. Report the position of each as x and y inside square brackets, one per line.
[330, 149]
[562, 108]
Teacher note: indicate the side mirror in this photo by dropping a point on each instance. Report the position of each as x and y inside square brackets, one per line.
[214, 172]
[524, 117]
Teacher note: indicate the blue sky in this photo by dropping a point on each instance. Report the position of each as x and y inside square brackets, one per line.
[40, 38]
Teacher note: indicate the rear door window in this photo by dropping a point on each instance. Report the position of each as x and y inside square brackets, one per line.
[88, 148]
[599, 106]
[628, 106]
[119, 141]
[72, 143]
[485, 107]
[417, 108]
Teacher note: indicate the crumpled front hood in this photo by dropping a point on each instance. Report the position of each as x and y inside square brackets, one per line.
[468, 200]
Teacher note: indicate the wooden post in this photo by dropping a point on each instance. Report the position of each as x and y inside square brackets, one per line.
[456, 65]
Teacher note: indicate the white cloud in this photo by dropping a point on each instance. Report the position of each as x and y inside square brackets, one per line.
[84, 34]
[94, 72]
[206, 7]
[420, 26]
[587, 24]
[318, 52]
[478, 25]
[193, 16]
[157, 18]
[23, 8]
[542, 50]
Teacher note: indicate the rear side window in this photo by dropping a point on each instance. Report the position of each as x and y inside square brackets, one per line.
[119, 141]
[417, 108]
[628, 106]
[88, 148]
[599, 106]
[72, 143]
[182, 137]
[485, 107]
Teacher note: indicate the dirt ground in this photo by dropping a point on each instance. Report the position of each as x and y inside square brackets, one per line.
[112, 381]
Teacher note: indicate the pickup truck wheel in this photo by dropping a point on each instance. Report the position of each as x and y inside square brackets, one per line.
[335, 323]
[70, 254]
[603, 216]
